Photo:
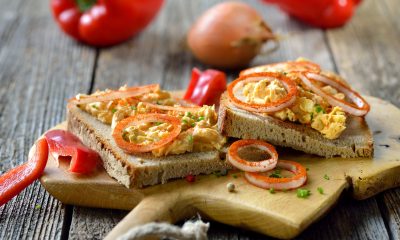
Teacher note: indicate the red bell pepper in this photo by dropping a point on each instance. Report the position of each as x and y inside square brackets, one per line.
[63, 143]
[205, 88]
[104, 22]
[17, 179]
[319, 13]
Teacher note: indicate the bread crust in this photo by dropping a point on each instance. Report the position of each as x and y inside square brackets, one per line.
[355, 141]
[142, 169]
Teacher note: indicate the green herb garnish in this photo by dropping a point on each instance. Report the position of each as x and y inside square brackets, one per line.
[193, 124]
[95, 107]
[200, 118]
[320, 190]
[157, 123]
[125, 136]
[303, 193]
[133, 107]
[188, 114]
[191, 139]
[276, 174]
[272, 190]
[114, 110]
[326, 177]
[319, 109]
[184, 121]
[221, 173]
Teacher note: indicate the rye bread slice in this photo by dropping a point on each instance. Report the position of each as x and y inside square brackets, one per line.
[142, 169]
[355, 141]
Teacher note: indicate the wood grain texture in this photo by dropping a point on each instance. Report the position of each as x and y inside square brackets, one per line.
[281, 215]
[135, 62]
[367, 53]
[35, 59]
[39, 70]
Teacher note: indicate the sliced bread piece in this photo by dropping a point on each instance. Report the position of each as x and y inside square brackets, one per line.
[355, 141]
[142, 169]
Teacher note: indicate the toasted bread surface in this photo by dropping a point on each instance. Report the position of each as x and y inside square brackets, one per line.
[355, 141]
[138, 170]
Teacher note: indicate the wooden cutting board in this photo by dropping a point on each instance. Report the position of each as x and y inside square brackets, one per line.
[281, 215]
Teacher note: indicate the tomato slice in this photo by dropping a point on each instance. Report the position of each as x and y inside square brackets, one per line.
[206, 88]
[62, 143]
[145, 118]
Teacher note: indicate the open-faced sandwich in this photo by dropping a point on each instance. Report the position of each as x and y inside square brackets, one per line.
[296, 104]
[146, 136]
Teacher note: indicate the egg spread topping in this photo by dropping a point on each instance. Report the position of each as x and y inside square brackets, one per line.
[198, 127]
[308, 108]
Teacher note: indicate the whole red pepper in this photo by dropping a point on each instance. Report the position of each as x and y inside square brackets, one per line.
[320, 13]
[104, 22]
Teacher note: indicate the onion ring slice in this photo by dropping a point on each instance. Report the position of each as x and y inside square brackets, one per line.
[289, 66]
[249, 166]
[275, 106]
[359, 107]
[297, 180]
[145, 118]
[117, 94]
[171, 108]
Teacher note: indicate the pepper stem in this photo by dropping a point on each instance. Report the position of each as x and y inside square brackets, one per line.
[85, 5]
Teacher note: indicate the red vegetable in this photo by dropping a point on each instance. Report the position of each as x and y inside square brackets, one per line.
[131, 147]
[63, 143]
[190, 178]
[205, 88]
[15, 180]
[320, 13]
[101, 22]
[228, 35]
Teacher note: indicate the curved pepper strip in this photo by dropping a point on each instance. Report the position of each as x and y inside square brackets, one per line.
[62, 143]
[205, 88]
[104, 22]
[320, 13]
[17, 179]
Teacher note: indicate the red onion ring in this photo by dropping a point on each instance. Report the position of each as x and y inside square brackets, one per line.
[359, 107]
[297, 180]
[117, 94]
[275, 106]
[249, 166]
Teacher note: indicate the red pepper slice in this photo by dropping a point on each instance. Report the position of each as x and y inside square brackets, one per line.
[205, 88]
[320, 13]
[62, 143]
[15, 180]
[104, 23]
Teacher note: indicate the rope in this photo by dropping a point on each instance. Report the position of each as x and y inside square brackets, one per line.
[191, 230]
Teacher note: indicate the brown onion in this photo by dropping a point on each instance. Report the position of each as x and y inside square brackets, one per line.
[228, 35]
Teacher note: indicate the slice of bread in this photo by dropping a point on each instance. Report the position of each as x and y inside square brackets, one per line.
[142, 169]
[355, 141]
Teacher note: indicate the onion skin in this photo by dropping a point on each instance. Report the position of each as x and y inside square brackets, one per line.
[228, 35]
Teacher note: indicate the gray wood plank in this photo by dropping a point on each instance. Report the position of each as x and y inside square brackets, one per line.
[159, 55]
[367, 50]
[93, 223]
[367, 53]
[39, 70]
[390, 207]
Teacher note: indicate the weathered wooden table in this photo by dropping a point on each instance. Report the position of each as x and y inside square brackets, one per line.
[40, 68]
